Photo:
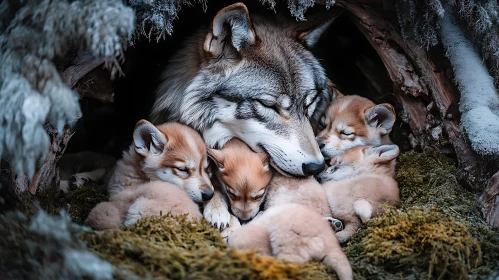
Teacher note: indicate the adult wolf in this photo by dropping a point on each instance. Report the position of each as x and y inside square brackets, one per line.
[254, 79]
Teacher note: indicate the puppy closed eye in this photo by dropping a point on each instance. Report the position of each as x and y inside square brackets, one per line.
[231, 195]
[259, 195]
[347, 135]
[183, 171]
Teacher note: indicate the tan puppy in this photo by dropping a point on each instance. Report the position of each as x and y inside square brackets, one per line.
[358, 183]
[170, 152]
[304, 191]
[295, 233]
[244, 176]
[139, 201]
[352, 120]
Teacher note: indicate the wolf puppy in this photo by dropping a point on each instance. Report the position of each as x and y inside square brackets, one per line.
[251, 78]
[170, 152]
[244, 176]
[304, 191]
[295, 233]
[140, 201]
[358, 183]
[352, 120]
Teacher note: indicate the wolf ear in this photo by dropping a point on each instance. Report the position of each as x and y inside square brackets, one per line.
[231, 28]
[383, 153]
[218, 157]
[148, 139]
[381, 116]
[318, 21]
[265, 161]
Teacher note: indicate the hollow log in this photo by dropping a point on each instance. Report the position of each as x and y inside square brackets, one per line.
[47, 174]
[86, 75]
[422, 85]
[490, 201]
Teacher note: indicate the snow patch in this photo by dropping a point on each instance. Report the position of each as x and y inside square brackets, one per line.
[479, 104]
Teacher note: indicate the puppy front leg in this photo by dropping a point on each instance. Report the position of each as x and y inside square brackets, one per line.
[216, 211]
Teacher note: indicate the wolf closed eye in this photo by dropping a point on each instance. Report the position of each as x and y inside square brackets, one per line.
[248, 87]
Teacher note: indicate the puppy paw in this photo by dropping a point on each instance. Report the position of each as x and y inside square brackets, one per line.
[343, 236]
[77, 181]
[336, 224]
[219, 216]
[133, 215]
[233, 225]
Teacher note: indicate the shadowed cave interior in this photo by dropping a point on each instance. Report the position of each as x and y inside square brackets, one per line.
[350, 61]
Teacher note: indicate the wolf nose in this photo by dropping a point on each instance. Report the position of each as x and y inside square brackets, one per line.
[321, 144]
[312, 168]
[206, 195]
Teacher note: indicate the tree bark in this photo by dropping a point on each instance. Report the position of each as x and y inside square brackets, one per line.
[47, 174]
[95, 83]
[490, 201]
[428, 98]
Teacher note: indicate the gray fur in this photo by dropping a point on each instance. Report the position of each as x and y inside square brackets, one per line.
[232, 95]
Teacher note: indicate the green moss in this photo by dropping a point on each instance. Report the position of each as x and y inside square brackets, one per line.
[78, 202]
[428, 179]
[170, 247]
[415, 241]
[437, 233]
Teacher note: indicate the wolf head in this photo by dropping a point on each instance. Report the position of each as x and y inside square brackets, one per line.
[358, 160]
[254, 79]
[174, 153]
[352, 120]
[245, 176]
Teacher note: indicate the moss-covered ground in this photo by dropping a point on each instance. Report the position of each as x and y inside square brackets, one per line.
[438, 233]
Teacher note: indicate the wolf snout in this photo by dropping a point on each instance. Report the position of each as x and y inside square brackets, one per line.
[206, 193]
[312, 168]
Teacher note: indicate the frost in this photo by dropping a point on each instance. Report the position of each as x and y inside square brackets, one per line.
[420, 19]
[85, 263]
[47, 247]
[479, 104]
[32, 92]
[299, 7]
[155, 17]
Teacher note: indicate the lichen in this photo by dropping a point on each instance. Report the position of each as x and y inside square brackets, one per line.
[46, 246]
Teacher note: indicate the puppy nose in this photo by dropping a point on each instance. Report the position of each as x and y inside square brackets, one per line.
[206, 195]
[311, 168]
[321, 144]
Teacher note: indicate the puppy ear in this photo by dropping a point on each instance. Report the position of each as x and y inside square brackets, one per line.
[383, 153]
[218, 157]
[265, 161]
[148, 139]
[381, 116]
[231, 29]
[333, 90]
